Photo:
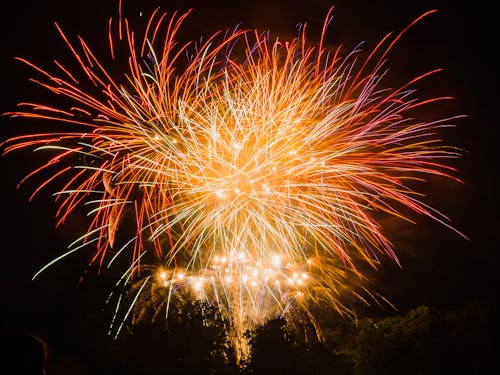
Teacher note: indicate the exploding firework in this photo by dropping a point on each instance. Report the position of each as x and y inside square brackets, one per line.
[243, 171]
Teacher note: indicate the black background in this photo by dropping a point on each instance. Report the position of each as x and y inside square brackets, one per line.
[439, 268]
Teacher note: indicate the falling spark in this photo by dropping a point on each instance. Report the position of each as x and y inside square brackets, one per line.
[254, 170]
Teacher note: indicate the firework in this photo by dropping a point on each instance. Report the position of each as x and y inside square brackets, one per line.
[243, 171]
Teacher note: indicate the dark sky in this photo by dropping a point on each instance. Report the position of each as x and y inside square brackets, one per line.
[439, 267]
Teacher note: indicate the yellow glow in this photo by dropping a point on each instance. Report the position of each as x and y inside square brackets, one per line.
[269, 158]
[276, 260]
[198, 284]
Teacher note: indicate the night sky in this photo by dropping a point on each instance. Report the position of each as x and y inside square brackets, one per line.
[439, 268]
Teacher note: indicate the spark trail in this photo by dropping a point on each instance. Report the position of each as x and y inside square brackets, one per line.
[253, 169]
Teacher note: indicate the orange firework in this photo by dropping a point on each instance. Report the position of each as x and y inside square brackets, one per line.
[253, 169]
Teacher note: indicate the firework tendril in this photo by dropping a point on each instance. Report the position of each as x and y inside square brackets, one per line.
[244, 171]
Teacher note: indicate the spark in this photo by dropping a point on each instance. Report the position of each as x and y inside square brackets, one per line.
[254, 170]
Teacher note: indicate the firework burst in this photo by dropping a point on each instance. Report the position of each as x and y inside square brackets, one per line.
[252, 168]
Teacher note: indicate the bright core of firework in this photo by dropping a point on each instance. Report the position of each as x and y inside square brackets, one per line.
[253, 170]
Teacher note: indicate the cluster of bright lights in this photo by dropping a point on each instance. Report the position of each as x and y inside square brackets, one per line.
[272, 277]
[253, 171]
